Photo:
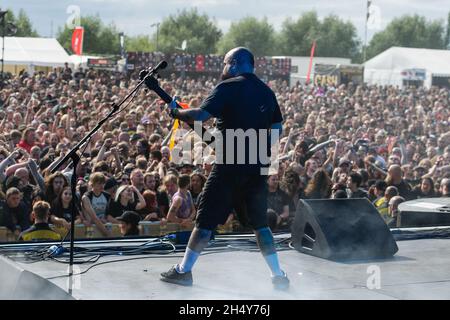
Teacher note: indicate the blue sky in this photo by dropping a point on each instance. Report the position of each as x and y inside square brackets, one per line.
[135, 16]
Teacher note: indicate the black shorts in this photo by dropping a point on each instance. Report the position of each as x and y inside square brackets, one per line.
[226, 190]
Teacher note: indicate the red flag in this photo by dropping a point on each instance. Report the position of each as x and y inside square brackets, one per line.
[311, 61]
[77, 40]
[200, 63]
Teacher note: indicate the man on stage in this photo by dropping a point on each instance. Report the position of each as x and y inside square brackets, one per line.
[241, 102]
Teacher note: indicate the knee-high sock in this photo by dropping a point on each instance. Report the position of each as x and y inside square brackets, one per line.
[189, 259]
[197, 242]
[265, 242]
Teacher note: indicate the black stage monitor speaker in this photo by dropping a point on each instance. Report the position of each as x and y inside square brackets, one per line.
[425, 212]
[19, 284]
[341, 229]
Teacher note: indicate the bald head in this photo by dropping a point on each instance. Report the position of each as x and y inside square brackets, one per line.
[391, 192]
[242, 56]
[395, 171]
[395, 201]
[238, 61]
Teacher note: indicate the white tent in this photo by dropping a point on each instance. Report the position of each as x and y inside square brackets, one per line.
[397, 64]
[22, 52]
[82, 60]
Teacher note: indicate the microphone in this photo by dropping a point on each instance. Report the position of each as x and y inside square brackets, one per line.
[152, 84]
[160, 66]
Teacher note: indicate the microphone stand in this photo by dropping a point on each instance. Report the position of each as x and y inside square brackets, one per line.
[76, 159]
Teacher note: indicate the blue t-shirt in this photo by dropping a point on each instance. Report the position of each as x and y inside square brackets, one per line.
[246, 103]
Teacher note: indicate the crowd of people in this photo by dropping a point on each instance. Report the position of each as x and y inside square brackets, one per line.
[387, 144]
[210, 64]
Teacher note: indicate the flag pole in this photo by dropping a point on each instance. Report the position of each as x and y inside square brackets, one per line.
[365, 30]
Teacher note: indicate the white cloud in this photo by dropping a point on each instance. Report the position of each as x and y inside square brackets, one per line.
[211, 3]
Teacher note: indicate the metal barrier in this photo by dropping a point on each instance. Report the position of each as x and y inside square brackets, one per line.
[146, 228]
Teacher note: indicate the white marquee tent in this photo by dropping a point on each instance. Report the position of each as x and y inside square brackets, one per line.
[81, 61]
[29, 53]
[397, 64]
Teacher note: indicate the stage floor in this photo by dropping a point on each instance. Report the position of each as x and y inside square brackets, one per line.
[419, 270]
